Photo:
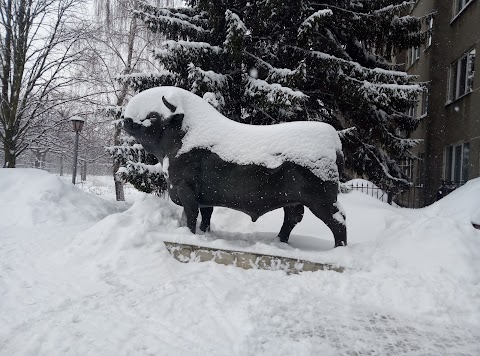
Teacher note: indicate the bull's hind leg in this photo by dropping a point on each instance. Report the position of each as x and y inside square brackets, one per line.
[190, 205]
[334, 217]
[206, 216]
[293, 215]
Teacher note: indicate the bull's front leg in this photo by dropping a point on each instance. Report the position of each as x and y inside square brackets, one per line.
[206, 217]
[188, 198]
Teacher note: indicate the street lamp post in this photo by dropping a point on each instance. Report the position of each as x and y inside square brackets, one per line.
[77, 123]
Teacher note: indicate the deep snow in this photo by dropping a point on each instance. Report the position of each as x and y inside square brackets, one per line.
[84, 275]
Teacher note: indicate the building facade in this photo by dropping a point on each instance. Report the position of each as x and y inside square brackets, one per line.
[450, 110]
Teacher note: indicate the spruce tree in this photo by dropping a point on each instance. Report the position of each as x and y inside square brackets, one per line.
[266, 62]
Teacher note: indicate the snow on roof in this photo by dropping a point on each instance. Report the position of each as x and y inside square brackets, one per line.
[313, 145]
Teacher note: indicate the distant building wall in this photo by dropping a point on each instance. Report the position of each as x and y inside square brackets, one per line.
[451, 126]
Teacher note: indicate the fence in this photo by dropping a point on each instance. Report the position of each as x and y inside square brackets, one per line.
[370, 189]
[414, 197]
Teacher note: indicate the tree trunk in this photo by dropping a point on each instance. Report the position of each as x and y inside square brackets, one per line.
[9, 150]
[38, 160]
[119, 192]
[43, 160]
[84, 171]
[61, 166]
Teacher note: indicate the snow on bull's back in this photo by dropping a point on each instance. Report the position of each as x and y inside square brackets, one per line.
[313, 145]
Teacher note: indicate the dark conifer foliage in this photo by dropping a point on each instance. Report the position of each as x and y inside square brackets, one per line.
[140, 169]
[272, 61]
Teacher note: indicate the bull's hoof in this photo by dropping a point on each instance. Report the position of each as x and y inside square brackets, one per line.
[340, 243]
[205, 228]
[283, 239]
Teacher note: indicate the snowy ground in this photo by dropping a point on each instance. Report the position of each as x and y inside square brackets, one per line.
[82, 274]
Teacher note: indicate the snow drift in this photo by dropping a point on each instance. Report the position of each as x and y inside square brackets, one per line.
[105, 284]
[35, 197]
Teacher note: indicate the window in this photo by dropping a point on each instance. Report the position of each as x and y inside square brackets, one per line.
[413, 54]
[420, 178]
[460, 77]
[456, 160]
[429, 31]
[459, 5]
[420, 106]
[406, 165]
[412, 110]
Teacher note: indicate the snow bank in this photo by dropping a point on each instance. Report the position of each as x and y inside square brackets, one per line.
[109, 286]
[35, 197]
[462, 205]
[402, 258]
[312, 145]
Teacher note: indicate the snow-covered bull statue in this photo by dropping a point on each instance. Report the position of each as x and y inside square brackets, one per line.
[214, 161]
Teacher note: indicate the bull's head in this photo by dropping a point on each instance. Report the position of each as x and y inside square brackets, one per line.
[147, 128]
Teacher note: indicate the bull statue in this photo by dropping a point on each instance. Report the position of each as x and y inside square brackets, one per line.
[211, 161]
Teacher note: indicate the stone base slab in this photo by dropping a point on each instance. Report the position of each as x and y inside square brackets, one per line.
[247, 260]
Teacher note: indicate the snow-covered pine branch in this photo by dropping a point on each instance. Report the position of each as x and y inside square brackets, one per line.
[403, 144]
[209, 85]
[174, 54]
[288, 77]
[142, 81]
[346, 132]
[284, 76]
[355, 70]
[398, 8]
[138, 168]
[191, 46]
[141, 168]
[148, 178]
[272, 93]
[235, 34]
[199, 18]
[382, 95]
[205, 80]
[172, 22]
[128, 151]
[312, 22]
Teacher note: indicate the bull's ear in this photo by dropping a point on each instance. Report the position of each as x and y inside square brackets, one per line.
[175, 119]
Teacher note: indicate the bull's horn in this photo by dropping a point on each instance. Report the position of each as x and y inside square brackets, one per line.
[168, 105]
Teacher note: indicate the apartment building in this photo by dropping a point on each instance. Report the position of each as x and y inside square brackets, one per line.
[450, 152]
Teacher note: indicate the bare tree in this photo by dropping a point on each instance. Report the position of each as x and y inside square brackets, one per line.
[37, 48]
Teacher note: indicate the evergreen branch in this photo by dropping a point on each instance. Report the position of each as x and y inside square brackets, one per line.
[167, 23]
[142, 81]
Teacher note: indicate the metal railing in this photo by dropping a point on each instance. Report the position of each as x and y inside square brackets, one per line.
[369, 189]
[414, 197]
